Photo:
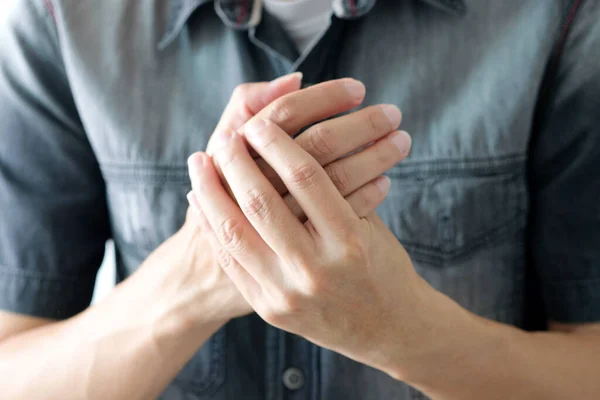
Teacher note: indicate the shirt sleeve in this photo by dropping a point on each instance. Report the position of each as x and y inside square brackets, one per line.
[53, 216]
[565, 179]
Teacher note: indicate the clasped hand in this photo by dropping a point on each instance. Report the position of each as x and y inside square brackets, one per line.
[336, 277]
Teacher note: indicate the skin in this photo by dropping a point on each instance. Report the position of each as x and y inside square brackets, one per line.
[133, 343]
[343, 281]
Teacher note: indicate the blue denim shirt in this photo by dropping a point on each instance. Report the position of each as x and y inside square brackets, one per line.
[101, 102]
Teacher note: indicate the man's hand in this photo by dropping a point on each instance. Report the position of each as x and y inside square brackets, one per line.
[345, 283]
[342, 281]
[246, 101]
[330, 142]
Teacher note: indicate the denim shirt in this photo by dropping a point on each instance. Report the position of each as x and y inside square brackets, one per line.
[101, 103]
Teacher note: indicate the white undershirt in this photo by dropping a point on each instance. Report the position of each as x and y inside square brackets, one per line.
[303, 20]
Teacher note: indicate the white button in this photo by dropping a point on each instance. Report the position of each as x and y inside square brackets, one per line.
[293, 378]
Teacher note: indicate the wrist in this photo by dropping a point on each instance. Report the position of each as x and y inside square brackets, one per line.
[441, 338]
[195, 294]
[180, 290]
[454, 348]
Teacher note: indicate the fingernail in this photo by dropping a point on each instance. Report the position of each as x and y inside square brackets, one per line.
[392, 113]
[355, 88]
[196, 162]
[192, 201]
[292, 76]
[383, 183]
[254, 127]
[402, 141]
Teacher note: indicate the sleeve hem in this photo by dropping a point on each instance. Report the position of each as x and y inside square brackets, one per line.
[45, 297]
[573, 301]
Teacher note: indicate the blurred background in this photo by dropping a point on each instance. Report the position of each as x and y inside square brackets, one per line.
[106, 275]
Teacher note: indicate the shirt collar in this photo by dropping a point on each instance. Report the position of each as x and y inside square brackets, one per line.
[244, 14]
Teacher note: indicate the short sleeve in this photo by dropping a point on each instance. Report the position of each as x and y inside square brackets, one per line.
[565, 179]
[53, 216]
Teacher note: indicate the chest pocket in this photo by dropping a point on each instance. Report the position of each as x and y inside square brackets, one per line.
[462, 222]
[147, 206]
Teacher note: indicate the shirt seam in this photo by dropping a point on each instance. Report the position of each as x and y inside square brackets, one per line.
[40, 277]
[574, 282]
[43, 18]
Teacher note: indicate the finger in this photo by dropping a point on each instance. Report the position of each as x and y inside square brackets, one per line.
[231, 228]
[249, 98]
[259, 201]
[297, 110]
[363, 200]
[367, 198]
[250, 288]
[350, 173]
[305, 179]
[331, 139]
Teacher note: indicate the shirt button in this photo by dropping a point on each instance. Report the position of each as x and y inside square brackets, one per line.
[293, 378]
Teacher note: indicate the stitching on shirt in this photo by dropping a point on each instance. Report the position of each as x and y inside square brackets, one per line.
[135, 174]
[434, 255]
[575, 282]
[216, 364]
[485, 167]
[38, 277]
[547, 86]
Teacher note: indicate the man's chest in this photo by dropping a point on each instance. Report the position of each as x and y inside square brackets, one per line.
[467, 89]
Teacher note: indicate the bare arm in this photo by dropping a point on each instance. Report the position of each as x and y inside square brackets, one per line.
[137, 339]
[481, 359]
[132, 344]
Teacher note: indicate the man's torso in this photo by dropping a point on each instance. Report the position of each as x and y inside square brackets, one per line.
[467, 86]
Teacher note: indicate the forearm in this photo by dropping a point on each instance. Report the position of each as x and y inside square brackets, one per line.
[129, 346]
[482, 359]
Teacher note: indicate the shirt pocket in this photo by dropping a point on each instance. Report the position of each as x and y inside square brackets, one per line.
[462, 223]
[147, 205]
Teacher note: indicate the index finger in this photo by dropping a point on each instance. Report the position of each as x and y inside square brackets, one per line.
[299, 109]
[249, 98]
[305, 179]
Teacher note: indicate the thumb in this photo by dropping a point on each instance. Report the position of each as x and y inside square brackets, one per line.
[246, 101]
[262, 94]
[249, 98]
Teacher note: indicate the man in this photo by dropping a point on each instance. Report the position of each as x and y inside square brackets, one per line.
[488, 226]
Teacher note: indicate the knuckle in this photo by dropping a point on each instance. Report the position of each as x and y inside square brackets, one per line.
[315, 285]
[302, 175]
[301, 261]
[281, 111]
[354, 251]
[257, 204]
[223, 258]
[289, 304]
[373, 121]
[230, 234]
[368, 200]
[339, 177]
[320, 141]
[227, 156]
[270, 136]
[386, 155]
[241, 91]
[362, 203]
